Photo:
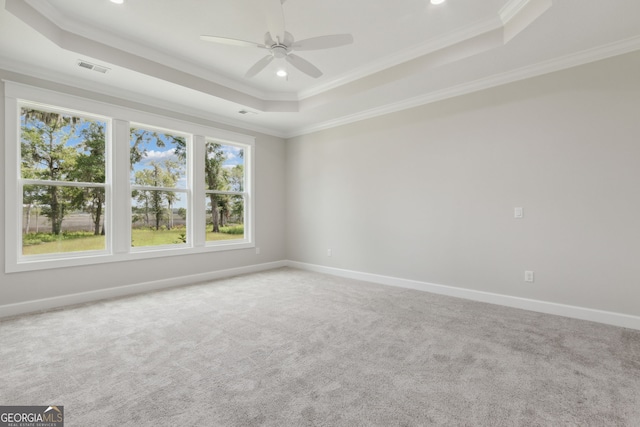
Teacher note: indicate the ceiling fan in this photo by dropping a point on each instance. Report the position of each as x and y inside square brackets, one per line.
[281, 43]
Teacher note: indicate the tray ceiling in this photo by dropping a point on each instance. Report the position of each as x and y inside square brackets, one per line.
[405, 53]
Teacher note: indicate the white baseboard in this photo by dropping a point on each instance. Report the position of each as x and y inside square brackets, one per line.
[582, 313]
[83, 297]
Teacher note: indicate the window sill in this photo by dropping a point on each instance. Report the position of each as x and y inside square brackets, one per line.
[34, 263]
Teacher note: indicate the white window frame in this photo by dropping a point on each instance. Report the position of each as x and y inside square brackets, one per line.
[246, 193]
[117, 185]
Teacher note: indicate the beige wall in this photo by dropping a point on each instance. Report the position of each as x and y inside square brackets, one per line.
[269, 182]
[428, 194]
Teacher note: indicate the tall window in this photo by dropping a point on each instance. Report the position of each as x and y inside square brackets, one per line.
[63, 180]
[158, 187]
[90, 182]
[224, 176]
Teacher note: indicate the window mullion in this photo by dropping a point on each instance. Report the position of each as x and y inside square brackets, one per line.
[62, 183]
[196, 184]
[13, 193]
[157, 188]
[121, 203]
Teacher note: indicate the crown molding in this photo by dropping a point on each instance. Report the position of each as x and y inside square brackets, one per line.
[78, 29]
[405, 55]
[72, 28]
[534, 70]
[511, 9]
[45, 79]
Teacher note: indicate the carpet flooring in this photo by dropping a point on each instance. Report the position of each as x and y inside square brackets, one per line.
[294, 348]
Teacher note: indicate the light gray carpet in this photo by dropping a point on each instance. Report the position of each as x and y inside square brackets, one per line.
[294, 348]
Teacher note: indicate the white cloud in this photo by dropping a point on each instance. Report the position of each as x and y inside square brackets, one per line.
[160, 155]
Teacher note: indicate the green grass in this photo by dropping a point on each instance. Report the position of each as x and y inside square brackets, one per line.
[147, 237]
[44, 243]
[56, 244]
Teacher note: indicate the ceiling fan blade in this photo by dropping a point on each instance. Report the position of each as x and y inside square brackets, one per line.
[323, 42]
[259, 66]
[232, 42]
[303, 65]
[275, 18]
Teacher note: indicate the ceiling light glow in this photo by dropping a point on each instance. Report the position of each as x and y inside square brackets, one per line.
[437, 1]
[117, 1]
[281, 73]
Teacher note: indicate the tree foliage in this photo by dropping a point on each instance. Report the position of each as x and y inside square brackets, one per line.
[59, 149]
[47, 156]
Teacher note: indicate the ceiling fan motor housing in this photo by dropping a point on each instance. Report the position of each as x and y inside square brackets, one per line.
[279, 50]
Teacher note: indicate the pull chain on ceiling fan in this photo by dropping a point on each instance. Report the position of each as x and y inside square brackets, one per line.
[281, 43]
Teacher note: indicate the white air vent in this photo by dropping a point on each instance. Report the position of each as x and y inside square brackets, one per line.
[100, 69]
[94, 67]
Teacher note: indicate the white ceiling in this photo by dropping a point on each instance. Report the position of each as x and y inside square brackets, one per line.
[405, 53]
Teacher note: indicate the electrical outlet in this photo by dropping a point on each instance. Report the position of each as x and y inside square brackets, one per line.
[257, 251]
[328, 252]
[528, 276]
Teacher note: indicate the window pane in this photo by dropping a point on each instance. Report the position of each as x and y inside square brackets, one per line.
[158, 159]
[58, 219]
[224, 167]
[225, 221]
[59, 147]
[158, 218]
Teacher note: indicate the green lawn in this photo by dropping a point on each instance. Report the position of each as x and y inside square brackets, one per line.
[140, 237]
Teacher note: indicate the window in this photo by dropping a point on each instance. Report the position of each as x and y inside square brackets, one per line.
[63, 181]
[225, 198]
[91, 182]
[158, 187]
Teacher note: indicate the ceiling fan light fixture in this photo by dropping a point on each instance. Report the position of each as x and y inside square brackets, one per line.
[437, 1]
[281, 73]
[117, 1]
[281, 44]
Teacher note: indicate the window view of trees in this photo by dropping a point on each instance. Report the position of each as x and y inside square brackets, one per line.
[224, 178]
[159, 189]
[63, 174]
[159, 183]
[67, 190]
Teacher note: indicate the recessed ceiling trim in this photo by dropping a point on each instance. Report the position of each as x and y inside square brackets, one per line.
[80, 29]
[71, 27]
[82, 45]
[546, 67]
[508, 12]
[407, 54]
[511, 9]
[43, 78]
[519, 14]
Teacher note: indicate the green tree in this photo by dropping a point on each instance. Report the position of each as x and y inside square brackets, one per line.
[215, 180]
[90, 167]
[30, 193]
[236, 182]
[157, 203]
[170, 175]
[46, 154]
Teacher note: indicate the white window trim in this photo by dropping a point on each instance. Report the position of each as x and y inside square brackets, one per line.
[119, 208]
